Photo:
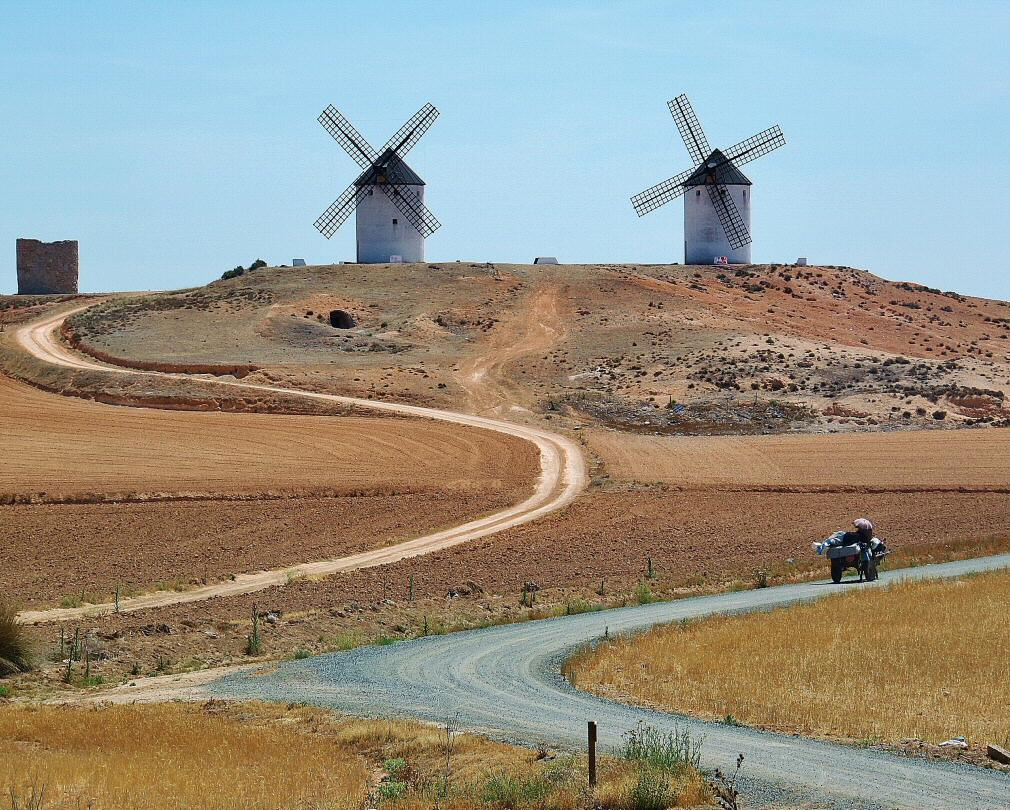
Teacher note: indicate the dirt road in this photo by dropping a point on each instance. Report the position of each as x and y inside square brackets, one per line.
[562, 477]
[505, 682]
[485, 379]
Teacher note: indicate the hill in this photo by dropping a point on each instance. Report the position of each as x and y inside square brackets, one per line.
[655, 349]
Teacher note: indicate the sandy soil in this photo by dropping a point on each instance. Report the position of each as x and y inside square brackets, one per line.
[913, 460]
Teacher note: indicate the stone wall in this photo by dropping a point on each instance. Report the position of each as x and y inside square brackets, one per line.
[47, 268]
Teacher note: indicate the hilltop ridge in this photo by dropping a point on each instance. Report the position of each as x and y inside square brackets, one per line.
[644, 348]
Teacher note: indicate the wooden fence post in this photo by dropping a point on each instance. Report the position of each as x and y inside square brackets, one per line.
[592, 753]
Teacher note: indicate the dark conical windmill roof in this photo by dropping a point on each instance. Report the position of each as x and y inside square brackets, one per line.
[724, 173]
[389, 168]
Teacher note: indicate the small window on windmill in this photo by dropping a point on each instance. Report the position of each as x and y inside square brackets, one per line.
[697, 193]
[395, 221]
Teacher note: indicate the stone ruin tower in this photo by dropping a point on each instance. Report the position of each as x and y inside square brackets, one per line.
[47, 268]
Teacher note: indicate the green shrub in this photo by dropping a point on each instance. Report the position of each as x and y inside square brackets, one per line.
[577, 606]
[16, 653]
[390, 790]
[507, 791]
[652, 791]
[672, 751]
[240, 270]
[644, 594]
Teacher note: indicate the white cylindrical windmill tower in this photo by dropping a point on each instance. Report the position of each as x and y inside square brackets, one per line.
[383, 235]
[705, 238]
[388, 196]
[717, 195]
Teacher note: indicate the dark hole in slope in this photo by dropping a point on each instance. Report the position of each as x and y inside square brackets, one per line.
[340, 319]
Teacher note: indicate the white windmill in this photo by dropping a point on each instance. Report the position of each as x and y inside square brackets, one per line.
[718, 195]
[388, 196]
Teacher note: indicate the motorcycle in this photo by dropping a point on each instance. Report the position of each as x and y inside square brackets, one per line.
[864, 556]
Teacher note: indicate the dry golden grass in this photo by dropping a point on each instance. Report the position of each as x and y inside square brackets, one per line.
[172, 756]
[268, 756]
[929, 660]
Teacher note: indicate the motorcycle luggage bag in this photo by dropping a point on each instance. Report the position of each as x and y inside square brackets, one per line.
[834, 552]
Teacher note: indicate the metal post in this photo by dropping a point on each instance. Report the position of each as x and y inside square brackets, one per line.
[592, 753]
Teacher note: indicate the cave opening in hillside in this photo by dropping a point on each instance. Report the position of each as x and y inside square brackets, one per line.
[339, 319]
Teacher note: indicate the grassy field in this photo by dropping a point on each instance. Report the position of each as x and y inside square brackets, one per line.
[264, 756]
[926, 660]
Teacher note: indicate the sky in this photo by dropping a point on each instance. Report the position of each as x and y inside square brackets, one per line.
[178, 140]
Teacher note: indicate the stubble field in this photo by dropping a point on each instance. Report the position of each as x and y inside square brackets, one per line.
[925, 660]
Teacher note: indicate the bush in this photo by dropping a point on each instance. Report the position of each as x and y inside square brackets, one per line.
[644, 595]
[240, 270]
[652, 791]
[673, 751]
[16, 652]
[507, 791]
[577, 606]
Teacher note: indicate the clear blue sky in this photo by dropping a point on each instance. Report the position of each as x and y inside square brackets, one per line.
[178, 140]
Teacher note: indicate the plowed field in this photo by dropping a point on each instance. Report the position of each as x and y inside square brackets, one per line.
[917, 461]
[67, 448]
[235, 492]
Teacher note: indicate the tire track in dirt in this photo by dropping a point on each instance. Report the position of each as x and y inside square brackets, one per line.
[562, 478]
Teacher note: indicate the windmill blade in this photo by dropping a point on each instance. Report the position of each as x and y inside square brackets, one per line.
[660, 194]
[410, 133]
[335, 216]
[756, 146]
[413, 210]
[729, 216]
[689, 128]
[347, 136]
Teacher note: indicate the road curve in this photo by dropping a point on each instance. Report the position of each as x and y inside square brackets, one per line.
[562, 477]
[505, 682]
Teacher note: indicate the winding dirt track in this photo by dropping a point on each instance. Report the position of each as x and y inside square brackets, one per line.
[562, 477]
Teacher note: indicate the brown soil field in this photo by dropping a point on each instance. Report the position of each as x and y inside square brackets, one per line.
[698, 542]
[96, 497]
[56, 552]
[67, 448]
[908, 460]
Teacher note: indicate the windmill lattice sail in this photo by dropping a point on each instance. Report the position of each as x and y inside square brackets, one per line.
[718, 220]
[386, 191]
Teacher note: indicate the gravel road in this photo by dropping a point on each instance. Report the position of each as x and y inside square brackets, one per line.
[505, 682]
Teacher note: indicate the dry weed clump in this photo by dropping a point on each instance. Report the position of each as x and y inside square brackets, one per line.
[16, 653]
[926, 660]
